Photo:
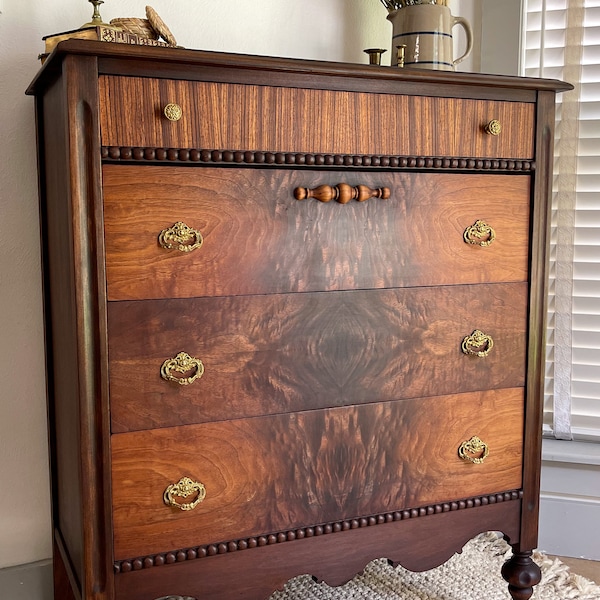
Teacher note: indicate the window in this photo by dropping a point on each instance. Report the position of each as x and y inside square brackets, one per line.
[562, 41]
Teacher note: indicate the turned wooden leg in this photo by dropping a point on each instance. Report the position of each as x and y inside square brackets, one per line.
[522, 574]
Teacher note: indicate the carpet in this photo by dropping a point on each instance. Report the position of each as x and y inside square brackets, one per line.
[474, 574]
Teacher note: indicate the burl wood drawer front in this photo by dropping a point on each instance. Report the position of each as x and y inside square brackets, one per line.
[249, 117]
[279, 353]
[257, 238]
[282, 472]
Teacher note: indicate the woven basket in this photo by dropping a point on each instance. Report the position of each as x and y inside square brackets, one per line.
[140, 27]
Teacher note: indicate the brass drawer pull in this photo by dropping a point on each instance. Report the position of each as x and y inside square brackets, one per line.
[182, 363]
[184, 488]
[493, 127]
[180, 237]
[479, 234]
[342, 193]
[474, 450]
[477, 344]
[176, 598]
[173, 112]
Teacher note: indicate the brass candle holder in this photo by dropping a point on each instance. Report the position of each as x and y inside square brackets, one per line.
[374, 55]
[96, 18]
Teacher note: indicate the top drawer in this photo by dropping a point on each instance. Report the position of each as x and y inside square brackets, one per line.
[234, 117]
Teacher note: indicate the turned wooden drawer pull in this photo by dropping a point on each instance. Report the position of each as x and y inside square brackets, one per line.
[185, 488]
[173, 112]
[342, 193]
[477, 344]
[474, 450]
[183, 363]
[180, 237]
[479, 234]
[493, 127]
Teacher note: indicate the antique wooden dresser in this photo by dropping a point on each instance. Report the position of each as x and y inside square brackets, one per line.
[294, 314]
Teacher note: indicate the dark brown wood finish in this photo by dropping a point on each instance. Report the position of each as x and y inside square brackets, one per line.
[287, 353]
[74, 324]
[265, 261]
[250, 217]
[417, 544]
[540, 249]
[293, 470]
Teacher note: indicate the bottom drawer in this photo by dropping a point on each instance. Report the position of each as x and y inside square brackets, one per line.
[288, 471]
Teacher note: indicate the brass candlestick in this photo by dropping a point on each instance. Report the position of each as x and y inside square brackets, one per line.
[374, 55]
[96, 18]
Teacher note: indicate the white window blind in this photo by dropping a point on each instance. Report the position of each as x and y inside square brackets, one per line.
[562, 41]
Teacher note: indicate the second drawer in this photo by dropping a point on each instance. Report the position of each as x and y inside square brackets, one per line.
[258, 239]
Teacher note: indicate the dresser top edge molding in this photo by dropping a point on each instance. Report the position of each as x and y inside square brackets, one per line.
[274, 70]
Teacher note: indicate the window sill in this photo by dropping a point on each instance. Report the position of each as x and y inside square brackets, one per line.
[584, 453]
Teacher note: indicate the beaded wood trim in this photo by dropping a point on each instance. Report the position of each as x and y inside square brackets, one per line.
[185, 554]
[179, 155]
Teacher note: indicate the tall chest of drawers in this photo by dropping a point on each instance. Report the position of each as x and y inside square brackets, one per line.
[294, 317]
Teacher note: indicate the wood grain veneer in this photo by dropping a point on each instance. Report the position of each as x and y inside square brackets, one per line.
[250, 217]
[249, 117]
[285, 353]
[296, 469]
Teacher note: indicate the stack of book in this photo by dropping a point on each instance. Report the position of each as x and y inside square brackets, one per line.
[101, 33]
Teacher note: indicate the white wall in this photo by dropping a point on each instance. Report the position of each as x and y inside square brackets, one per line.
[313, 29]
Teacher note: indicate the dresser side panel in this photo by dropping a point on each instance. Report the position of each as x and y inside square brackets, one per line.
[60, 326]
[74, 296]
[88, 236]
[540, 253]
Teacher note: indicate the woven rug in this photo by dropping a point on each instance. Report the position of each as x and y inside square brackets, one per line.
[473, 574]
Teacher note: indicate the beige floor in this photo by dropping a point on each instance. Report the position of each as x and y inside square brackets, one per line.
[589, 569]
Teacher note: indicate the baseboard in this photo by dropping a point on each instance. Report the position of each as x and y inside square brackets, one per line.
[570, 500]
[27, 582]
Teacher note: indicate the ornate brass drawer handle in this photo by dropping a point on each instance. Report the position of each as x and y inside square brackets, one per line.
[479, 234]
[184, 488]
[176, 598]
[342, 193]
[182, 363]
[173, 112]
[493, 127]
[180, 237]
[477, 344]
[474, 450]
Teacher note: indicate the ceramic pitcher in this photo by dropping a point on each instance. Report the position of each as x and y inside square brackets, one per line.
[422, 37]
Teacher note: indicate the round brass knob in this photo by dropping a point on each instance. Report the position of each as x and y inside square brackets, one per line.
[173, 112]
[474, 450]
[184, 488]
[493, 127]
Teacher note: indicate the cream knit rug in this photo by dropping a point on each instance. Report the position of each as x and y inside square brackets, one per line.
[472, 575]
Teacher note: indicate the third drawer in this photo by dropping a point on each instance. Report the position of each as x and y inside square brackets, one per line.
[291, 352]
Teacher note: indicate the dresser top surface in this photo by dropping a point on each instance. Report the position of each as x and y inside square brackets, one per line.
[124, 59]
